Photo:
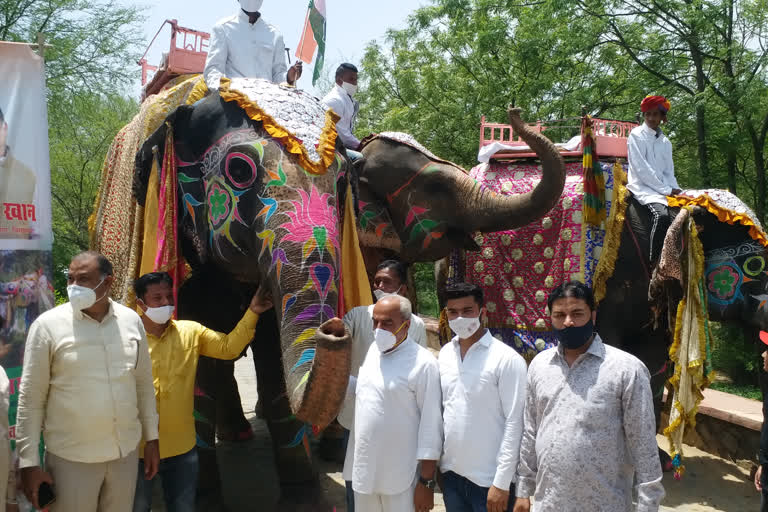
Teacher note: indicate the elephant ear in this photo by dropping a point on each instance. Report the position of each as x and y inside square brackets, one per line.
[154, 148]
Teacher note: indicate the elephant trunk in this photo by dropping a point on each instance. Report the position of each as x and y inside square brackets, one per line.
[318, 398]
[489, 212]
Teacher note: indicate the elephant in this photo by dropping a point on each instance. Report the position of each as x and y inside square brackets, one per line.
[251, 214]
[630, 320]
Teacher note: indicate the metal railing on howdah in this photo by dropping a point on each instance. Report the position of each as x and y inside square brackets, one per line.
[186, 54]
[611, 136]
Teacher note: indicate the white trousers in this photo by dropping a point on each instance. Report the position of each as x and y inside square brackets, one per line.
[402, 502]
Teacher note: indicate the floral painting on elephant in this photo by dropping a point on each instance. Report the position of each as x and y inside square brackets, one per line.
[518, 269]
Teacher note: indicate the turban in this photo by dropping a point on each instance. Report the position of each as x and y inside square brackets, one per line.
[655, 102]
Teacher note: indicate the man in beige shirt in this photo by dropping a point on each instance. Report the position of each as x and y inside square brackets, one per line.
[87, 385]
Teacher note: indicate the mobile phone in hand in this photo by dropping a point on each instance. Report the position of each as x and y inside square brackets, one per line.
[45, 495]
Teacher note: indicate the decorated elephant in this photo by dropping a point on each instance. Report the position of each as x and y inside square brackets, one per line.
[250, 189]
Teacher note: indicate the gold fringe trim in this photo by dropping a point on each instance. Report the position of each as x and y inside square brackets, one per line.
[326, 147]
[722, 214]
[699, 379]
[613, 229]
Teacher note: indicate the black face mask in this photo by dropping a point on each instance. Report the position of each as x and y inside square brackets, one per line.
[574, 337]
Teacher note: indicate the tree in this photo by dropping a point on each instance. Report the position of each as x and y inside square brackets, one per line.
[89, 71]
[81, 132]
[460, 59]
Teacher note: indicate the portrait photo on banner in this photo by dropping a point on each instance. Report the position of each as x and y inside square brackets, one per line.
[25, 218]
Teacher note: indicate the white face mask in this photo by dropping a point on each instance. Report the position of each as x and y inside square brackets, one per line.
[160, 315]
[351, 89]
[251, 5]
[380, 294]
[81, 297]
[384, 339]
[464, 327]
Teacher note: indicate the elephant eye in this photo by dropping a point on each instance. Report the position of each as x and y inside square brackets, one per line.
[241, 170]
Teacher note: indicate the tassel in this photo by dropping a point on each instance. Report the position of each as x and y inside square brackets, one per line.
[594, 210]
[443, 330]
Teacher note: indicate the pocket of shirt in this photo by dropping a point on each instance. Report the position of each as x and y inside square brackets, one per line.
[128, 357]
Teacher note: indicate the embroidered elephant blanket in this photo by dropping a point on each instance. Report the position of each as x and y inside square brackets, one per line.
[518, 269]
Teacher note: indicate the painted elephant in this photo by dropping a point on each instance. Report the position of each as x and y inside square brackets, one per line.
[251, 214]
[737, 284]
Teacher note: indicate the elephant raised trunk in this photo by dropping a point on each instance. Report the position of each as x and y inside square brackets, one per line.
[488, 211]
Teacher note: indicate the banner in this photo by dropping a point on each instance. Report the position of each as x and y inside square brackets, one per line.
[26, 284]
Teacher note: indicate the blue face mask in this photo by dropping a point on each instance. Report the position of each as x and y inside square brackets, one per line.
[575, 337]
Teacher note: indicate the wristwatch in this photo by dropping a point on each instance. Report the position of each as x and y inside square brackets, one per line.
[429, 484]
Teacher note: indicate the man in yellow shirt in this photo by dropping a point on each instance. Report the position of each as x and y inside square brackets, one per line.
[174, 347]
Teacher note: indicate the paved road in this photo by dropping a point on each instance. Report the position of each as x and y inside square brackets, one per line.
[250, 484]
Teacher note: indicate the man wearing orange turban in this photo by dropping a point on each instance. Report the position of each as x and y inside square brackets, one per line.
[651, 175]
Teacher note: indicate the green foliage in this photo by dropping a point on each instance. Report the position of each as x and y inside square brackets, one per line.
[424, 279]
[734, 356]
[458, 60]
[747, 391]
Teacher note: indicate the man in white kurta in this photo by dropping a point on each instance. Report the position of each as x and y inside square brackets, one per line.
[398, 424]
[390, 278]
[246, 46]
[341, 99]
[651, 175]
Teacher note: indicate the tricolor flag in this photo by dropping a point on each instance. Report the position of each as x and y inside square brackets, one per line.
[313, 37]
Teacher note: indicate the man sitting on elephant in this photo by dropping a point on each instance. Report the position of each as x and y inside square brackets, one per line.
[390, 279]
[174, 347]
[244, 45]
[651, 176]
[342, 100]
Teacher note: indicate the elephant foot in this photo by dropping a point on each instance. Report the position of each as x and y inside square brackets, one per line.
[235, 437]
[304, 497]
[666, 461]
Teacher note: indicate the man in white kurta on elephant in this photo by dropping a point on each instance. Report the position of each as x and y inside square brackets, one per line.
[651, 176]
[246, 46]
[398, 421]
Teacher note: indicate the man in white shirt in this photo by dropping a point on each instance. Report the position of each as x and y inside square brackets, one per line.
[87, 385]
[651, 175]
[342, 100]
[246, 46]
[483, 384]
[398, 425]
[390, 279]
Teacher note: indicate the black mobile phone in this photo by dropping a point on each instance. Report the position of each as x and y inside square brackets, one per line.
[45, 495]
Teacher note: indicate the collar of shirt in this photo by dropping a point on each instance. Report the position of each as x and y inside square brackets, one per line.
[82, 316]
[343, 93]
[171, 327]
[485, 340]
[395, 350]
[244, 18]
[650, 131]
[597, 349]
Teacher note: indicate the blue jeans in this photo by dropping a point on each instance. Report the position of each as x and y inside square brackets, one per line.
[350, 496]
[462, 495]
[353, 155]
[179, 477]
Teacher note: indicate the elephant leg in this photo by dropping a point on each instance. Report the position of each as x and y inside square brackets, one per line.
[209, 480]
[290, 437]
[231, 424]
